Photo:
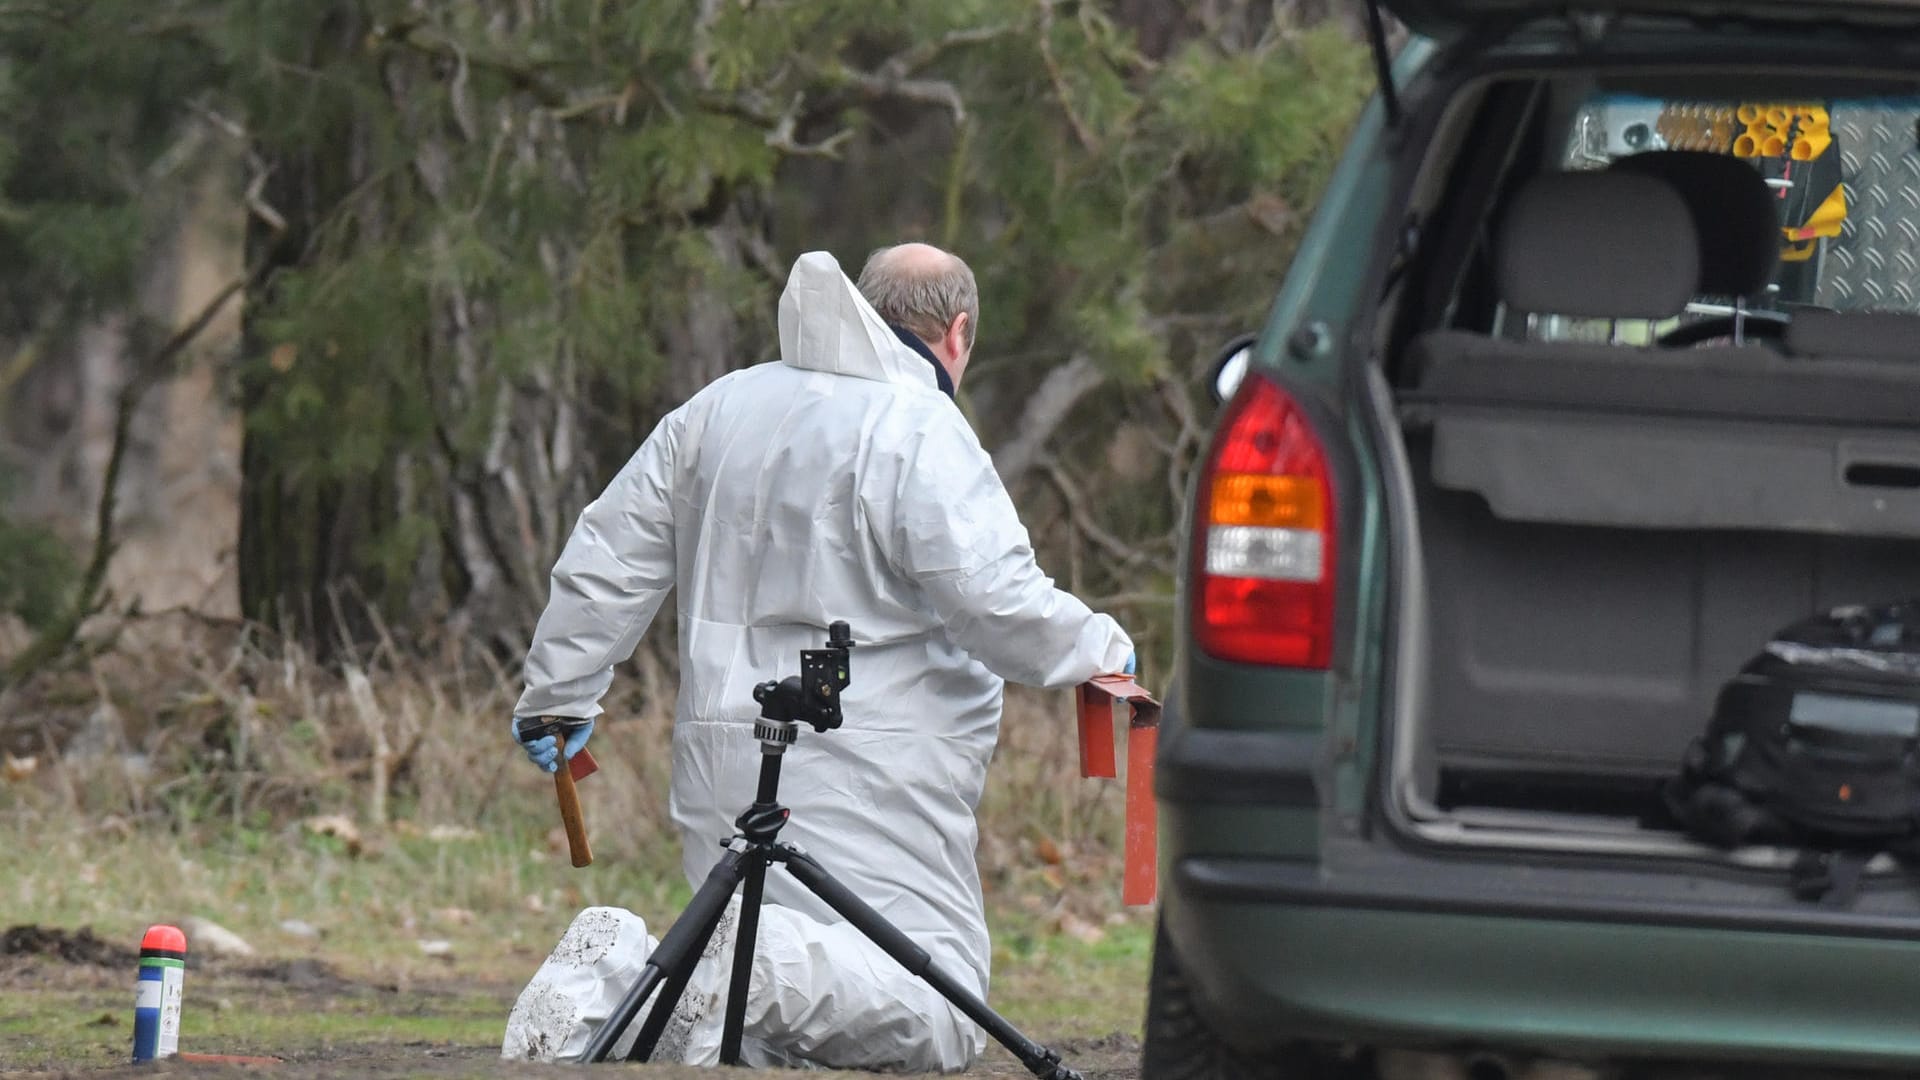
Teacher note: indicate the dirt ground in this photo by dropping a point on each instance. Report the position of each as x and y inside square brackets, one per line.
[66, 1011]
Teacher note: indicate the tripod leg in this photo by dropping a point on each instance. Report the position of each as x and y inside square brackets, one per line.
[676, 954]
[1039, 1060]
[743, 947]
[675, 985]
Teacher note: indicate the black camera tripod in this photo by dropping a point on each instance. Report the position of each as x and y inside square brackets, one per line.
[813, 697]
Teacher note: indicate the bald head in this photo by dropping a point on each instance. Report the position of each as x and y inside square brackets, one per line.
[914, 258]
[929, 292]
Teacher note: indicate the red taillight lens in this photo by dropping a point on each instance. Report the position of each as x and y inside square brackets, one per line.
[1264, 547]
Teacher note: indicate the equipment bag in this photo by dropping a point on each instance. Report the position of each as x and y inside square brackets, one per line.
[1816, 744]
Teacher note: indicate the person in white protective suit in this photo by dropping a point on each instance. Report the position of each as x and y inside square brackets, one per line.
[840, 482]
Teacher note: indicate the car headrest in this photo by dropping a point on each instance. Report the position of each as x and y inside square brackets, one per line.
[1603, 245]
[1735, 215]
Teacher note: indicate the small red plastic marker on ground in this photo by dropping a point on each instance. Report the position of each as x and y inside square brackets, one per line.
[156, 1000]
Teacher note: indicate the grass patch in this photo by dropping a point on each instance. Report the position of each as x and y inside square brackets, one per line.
[496, 901]
[1068, 988]
[372, 815]
[228, 1015]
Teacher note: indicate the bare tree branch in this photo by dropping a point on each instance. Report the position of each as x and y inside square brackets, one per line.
[922, 91]
[702, 62]
[1191, 436]
[892, 78]
[618, 102]
[458, 96]
[1059, 80]
[1082, 517]
[413, 34]
[257, 167]
[16, 366]
[1129, 599]
[781, 137]
[1047, 409]
[927, 52]
[52, 13]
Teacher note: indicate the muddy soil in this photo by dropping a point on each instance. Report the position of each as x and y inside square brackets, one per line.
[69, 946]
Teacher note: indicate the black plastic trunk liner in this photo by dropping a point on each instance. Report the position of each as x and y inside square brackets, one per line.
[1635, 797]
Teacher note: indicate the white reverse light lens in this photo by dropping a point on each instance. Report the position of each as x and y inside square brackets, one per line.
[1253, 551]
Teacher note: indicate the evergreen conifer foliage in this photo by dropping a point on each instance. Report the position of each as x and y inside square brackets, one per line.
[496, 240]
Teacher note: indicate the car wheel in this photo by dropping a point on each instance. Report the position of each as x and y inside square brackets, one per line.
[1180, 1046]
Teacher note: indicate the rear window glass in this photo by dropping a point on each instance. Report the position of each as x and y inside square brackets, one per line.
[1847, 173]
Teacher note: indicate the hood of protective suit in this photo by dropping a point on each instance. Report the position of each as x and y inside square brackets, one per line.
[826, 325]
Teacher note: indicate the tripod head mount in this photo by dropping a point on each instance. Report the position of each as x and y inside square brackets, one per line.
[813, 696]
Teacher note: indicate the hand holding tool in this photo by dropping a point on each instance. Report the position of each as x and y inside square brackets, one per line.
[570, 739]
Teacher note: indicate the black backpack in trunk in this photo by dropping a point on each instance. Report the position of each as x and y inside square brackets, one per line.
[1816, 745]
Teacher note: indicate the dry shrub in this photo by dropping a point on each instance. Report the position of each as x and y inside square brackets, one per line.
[191, 722]
[199, 725]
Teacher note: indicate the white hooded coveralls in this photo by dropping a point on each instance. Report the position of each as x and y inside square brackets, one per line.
[837, 483]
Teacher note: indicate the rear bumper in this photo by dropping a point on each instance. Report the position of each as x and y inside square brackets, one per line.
[1302, 885]
[1279, 951]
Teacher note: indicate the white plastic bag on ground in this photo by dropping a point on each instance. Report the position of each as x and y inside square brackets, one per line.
[577, 986]
[583, 979]
[819, 994]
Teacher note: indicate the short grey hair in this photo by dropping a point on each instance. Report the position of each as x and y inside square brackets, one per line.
[922, 294]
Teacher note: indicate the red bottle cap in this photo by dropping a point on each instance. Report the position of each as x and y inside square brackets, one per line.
[164, 939]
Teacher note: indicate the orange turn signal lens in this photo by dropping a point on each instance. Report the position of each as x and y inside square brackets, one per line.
[1285, 502]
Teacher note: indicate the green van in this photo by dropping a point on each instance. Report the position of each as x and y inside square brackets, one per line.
[1599, 363]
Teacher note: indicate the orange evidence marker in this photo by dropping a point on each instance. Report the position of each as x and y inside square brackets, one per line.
[1094, 701]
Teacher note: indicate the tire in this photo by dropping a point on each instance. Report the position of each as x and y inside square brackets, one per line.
[1180, 1046]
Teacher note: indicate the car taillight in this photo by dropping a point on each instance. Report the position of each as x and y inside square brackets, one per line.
[1264, 552]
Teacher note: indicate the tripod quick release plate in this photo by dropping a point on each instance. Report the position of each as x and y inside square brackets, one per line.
[814, 696]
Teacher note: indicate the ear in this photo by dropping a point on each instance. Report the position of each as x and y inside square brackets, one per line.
[957, 334]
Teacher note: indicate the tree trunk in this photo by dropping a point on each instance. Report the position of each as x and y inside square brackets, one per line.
[177, 496]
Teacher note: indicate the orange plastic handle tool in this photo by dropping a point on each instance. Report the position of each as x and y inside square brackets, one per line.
[1094, 703]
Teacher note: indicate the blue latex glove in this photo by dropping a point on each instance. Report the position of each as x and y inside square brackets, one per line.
[544, 751]
[1132, 662]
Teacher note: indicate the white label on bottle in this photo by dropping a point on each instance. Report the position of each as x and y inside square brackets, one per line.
[171, 983]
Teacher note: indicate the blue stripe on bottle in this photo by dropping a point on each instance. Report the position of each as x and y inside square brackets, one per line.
[146, 1020]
